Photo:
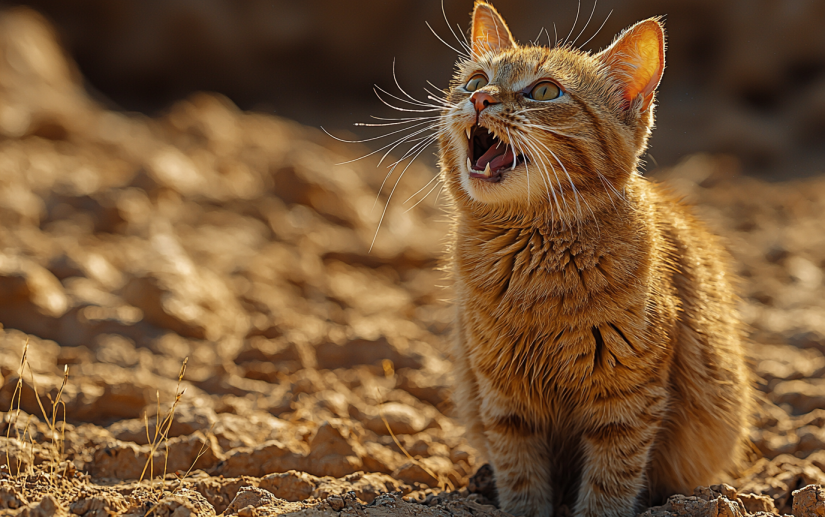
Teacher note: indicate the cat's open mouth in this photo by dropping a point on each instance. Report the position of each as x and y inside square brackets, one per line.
[489, 156]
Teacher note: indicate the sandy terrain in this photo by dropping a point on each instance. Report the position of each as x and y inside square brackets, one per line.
[316, 378]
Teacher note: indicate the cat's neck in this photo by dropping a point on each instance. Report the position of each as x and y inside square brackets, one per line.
[584, 216]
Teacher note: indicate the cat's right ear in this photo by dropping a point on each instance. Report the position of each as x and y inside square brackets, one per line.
[636, 61]
[490, 33]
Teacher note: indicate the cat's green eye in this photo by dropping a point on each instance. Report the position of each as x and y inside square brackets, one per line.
[545, 91]
[477, 81]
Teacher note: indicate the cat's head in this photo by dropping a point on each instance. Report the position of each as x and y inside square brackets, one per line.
[531, 126]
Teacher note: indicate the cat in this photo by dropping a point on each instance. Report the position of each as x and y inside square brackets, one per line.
[598, 355]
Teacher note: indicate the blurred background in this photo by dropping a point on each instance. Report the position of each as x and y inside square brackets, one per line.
[744, 77]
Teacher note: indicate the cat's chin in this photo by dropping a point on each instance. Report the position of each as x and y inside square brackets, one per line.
[503, 186]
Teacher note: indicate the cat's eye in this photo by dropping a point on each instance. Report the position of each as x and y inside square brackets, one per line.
[476, 82]
[545, 91]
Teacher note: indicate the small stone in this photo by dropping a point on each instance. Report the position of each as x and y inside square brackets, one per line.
[336, 502]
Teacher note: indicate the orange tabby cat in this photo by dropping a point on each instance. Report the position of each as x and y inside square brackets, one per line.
[599, 356]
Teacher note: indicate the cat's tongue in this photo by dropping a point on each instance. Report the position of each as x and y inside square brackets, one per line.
[497, 158]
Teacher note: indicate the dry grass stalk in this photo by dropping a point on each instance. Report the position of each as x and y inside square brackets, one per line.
[14, 415]
[162, 427]
[443, 482]
[58, 440]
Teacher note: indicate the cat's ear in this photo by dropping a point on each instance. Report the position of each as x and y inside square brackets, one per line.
[490, 33]
[637, 59]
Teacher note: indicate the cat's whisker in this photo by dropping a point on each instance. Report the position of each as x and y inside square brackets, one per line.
[535, 42]
[430, 108]
[608, 185]
[437, 88]
[427, 125]
[526, 110]
[548, 183]
[411, 149]
[419, 190]
[445, 103]
[425, 196]
[515, 159]
[389, 198]
[463, 44]
[439, 193]
[576, 195]
[561, 190]
[426, 141]
[549, 41]
[392, 166]
[438, 98]
[595, 3]
[459, 52]
[414, 119]
[567, 38]
[555, 35]
[412, 100]
[604, 184]
[556, 131]
[397, 122]
[597, 30]
[372, 139]
[537, 157]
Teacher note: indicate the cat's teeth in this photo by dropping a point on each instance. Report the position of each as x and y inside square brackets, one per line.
[469, 165]
[468, 133]
[487, 170]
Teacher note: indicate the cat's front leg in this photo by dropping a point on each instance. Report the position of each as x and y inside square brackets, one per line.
[519, 455]
[617, 447]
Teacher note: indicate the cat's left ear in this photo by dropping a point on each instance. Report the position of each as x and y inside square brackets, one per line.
[490, 33]
[637, 59]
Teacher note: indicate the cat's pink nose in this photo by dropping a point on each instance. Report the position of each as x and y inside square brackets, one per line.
[481, 100]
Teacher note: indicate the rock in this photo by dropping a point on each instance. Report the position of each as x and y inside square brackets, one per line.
[11, 498]
[336, 502]
[124, 460]
[180, 503]
[30, 296]
[48, 506]
[809, 501]
[291, 485]
[363, 351]
[258, 498]
[754, 503]
[779, 477]
[220, 491]
[336, 450]
[188, 419]
[99, 505]
[402, 419]
[691, 506]
[380, 458]
[803, 395]
[271, 456]
[366, 487]
[416, 472]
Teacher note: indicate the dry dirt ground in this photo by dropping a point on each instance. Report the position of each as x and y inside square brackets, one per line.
[129, 244]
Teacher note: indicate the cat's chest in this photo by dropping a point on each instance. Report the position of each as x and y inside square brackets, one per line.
[530, 269]
[532, 305]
